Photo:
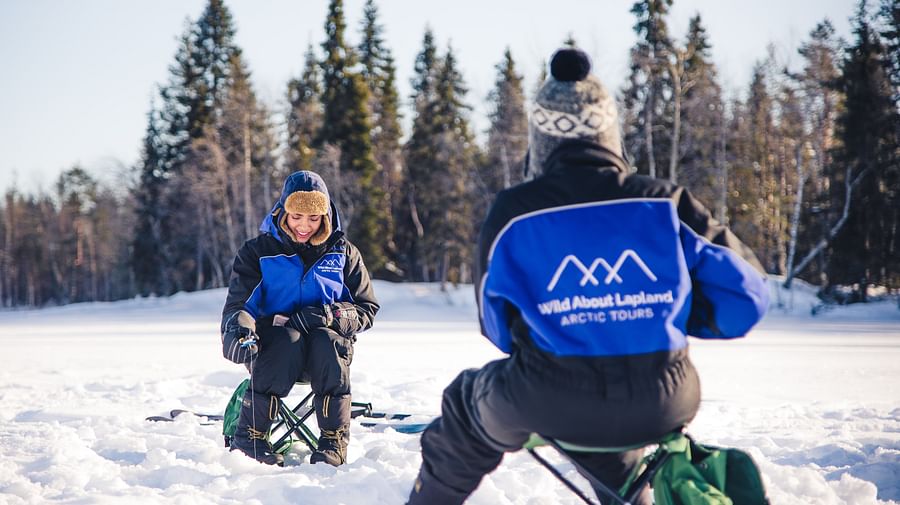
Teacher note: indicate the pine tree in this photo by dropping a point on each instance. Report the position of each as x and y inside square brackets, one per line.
[507, 141]
[354, 181]
[113, 217]
[439, 156]
[33, 269]
[249, 143]
[865, 250]
[370, 234]
[194, 150]
[223, 170]
[697, 159]
[148, 259]
[7, 228]
[890, 35]
[73, 244]
[338, 61]
[648, 86]
[459, 156]
[418, 187]
[305, 115]
[750, 175]
[819, 105]
[379, 73]
[790, 160]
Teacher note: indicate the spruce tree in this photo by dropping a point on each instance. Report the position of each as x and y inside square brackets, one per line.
[379, 72]
[418, 184]
[347, 127]
[304, 117]
[750, 174]
[890, 35]
[507, 141]
[196, 151]
[73, 244]
[819, 103]
[148, 257]
[441, 154]
[249, 143]
[865, 251]
[789, 175]
[699, 163]
[337, 64]
[648, 86]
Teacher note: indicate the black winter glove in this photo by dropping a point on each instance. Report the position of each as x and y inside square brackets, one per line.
[341, 317]
[310, 318]
[239, 344]
[345, 319]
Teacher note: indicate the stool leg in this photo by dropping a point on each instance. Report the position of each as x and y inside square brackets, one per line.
[294, 421]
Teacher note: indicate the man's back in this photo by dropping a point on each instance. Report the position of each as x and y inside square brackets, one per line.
[600, 263]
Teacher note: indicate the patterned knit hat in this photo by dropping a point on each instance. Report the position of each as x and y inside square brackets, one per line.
[572, 104]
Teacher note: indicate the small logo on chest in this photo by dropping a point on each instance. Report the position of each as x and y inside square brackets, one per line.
[330, 264]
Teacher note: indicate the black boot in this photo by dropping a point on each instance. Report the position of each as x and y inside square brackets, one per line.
[333, 416]
[252, 434]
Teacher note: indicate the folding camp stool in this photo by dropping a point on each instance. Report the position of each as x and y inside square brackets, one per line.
[293, 422]
[632, 488]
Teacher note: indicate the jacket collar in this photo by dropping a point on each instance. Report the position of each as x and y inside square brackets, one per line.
[580, 153]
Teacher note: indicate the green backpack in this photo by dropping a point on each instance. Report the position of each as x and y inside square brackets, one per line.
[233, 411]
[695, 474]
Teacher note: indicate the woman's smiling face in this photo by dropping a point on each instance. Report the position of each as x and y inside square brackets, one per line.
[303, 226]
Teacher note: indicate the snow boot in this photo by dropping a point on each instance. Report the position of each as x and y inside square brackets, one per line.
[333, 416]
[252, 434]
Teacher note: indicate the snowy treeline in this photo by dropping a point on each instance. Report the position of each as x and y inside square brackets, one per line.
[802, 163]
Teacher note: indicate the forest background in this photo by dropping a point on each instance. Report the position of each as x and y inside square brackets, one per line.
[803, 163]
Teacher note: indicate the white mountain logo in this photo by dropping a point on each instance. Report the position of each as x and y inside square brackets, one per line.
[612, 272]
[331, 263]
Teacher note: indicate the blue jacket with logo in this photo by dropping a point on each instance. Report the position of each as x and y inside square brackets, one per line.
[272, 274]
[588, 261]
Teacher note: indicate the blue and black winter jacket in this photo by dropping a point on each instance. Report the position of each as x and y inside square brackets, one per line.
[272, 274]
[588, 261]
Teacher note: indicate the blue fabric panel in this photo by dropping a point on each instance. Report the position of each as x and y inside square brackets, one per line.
[324, 283]
[738, 295]
[596, 279]
[285, 287]
[280, 289]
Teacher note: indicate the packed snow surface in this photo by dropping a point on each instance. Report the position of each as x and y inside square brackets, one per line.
[815, 400]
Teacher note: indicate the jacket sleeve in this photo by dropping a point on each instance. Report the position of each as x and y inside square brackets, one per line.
[243, 285]
[350, 318]
[730, 293]
[497, 317]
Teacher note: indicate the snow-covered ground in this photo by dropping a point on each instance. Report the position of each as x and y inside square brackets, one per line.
[815, 400]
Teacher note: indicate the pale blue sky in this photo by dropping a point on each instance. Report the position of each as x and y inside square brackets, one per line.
[78, 76]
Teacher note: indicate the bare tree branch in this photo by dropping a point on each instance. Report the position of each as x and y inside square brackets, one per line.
[823, 243]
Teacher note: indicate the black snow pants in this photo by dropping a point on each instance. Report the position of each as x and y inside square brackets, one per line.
[286, 357]
[607, 402]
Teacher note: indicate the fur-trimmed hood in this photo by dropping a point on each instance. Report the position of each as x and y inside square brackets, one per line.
[299, 182]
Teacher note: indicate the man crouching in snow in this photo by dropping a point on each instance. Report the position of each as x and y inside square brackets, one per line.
[298, 295]
[591, 278]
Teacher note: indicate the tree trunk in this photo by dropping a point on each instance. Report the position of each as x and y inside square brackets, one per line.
[9, 270]
[823, 243]
[648, 131]
[795, 216]
[248, 168]
[675, 71]
[723, 164]
[222, 170]
[507, 175]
